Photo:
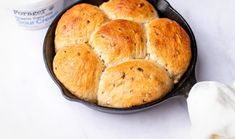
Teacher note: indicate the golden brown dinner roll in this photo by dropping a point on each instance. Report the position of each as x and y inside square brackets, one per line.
[133, 83]
[120, 39]
[136, 10]
[169, 45]
[77, 24]
[78, 69]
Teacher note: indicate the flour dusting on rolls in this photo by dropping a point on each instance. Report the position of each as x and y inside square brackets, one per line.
[79, 70]
[169, 45]
[118, 40]
[132, 83]
[77, 24]
[140, 11]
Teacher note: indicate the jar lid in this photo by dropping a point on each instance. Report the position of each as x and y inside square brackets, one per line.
[28, 4]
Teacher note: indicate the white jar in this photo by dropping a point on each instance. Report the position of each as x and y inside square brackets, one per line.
[35, 14]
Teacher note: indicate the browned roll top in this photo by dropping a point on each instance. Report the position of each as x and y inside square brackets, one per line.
[130, 59]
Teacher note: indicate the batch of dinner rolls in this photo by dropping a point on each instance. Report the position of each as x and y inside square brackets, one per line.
[120, 54]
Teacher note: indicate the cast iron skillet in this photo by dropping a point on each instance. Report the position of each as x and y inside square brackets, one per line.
[181, 89]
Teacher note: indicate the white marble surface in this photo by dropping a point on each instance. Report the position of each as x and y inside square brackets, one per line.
[32, 107]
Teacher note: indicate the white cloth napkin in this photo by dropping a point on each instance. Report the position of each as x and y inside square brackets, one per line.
[212, 110]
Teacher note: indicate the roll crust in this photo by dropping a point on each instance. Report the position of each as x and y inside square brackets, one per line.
[119, 63]
[78, 69]
[133, 83]
[140, 11]
[77, 24]
[118, 40]
[169, 45]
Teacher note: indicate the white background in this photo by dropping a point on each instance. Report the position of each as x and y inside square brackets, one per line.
[32, 107]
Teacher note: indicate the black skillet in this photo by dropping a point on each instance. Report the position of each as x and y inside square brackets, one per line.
[180, 89]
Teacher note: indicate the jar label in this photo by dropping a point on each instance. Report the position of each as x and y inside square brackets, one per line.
[38, 18]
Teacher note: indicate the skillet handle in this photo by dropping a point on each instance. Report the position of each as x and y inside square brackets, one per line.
[186, 87]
